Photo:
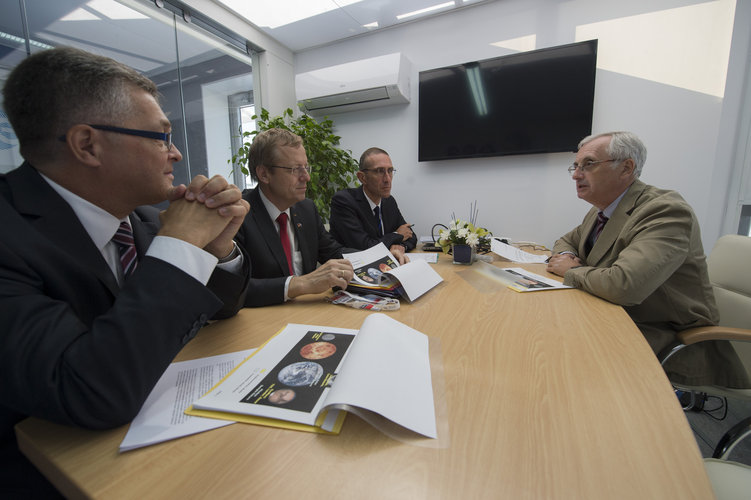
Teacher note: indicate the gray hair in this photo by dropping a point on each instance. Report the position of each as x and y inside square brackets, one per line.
[623, 145]
[52, 90]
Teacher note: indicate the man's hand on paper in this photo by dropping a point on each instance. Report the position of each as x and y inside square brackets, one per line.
[399, 254]
[335, 272]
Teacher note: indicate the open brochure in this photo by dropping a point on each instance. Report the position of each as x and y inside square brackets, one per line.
[520, 279]
[305, 376]
[377, 272]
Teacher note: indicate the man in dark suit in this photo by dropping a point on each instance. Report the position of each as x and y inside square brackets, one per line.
[365, 216]
[283, 233]
[96, 296]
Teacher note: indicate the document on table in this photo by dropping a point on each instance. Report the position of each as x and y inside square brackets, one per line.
[430, 257]
[519, 279]
[162, 416]
[514, 254]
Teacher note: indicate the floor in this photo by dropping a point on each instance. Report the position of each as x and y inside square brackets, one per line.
[709, 429]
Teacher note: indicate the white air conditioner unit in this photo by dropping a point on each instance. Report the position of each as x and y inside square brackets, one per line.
[369, 83]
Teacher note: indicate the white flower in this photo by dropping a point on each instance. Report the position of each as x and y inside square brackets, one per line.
[463, 232]
[473, 239]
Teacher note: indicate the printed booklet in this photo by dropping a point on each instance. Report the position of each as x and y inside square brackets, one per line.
[305, 377]
[378, 273]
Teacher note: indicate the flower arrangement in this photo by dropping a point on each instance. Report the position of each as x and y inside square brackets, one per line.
[461, 232]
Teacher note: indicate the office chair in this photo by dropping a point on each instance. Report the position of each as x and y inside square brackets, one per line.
[730, 275]
[730, 480]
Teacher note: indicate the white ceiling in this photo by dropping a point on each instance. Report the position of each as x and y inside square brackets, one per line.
[303, 24]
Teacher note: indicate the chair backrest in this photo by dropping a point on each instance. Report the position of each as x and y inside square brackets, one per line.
[729, 267]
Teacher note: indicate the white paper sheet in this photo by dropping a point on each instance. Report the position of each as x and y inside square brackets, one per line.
[430, 257]
[416, 278]
[514, 254]
[389, 374]
[162, 416]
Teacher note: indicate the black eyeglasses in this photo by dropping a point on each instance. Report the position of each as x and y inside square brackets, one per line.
[586, 166]
[161, 136]
[296, 171]
[382, 172]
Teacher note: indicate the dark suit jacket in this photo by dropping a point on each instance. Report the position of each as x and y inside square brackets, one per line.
[74, 347]
[649, 259]
[353, 223]
[259, 237]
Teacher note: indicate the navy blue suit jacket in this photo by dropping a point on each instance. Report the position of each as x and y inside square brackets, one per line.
[353, 223]
[75, 348]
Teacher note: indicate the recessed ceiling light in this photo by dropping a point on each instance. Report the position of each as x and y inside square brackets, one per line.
[271, 15]
[425, 10]
[114, 10]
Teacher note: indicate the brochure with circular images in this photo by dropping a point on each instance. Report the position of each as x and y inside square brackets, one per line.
[305, 375]
[377, 272]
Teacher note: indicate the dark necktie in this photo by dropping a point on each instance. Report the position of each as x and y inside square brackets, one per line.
[599, 225]
[123, 238]
[284, 237]
[379, 224]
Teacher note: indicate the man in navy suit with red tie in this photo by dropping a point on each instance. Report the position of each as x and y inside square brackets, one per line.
[367, 215]
[283, 233]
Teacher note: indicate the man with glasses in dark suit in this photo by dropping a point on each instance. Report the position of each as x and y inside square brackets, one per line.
[367, 215]
[98, 290]
[283, 232]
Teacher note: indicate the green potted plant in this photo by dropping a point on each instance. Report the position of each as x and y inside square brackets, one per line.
[332, 168]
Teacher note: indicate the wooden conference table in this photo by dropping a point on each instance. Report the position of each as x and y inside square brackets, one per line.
[551, 394]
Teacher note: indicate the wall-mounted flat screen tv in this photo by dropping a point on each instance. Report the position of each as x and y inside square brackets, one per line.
[533, 102]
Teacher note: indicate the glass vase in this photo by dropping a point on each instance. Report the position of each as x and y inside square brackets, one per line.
[462, 254]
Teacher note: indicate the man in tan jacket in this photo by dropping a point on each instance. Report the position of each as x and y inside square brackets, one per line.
[640, 247]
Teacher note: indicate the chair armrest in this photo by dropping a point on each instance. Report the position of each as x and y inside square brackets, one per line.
[702, 333]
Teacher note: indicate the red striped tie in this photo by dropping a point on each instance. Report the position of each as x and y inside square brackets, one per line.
[126, 246]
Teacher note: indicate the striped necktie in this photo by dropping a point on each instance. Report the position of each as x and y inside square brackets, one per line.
[601, 221]
[599, 225]
[123, 238]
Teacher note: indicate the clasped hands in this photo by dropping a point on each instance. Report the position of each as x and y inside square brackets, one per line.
[562, 262]
[207, 213]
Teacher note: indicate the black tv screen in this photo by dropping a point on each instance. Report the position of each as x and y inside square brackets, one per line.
[533, 102]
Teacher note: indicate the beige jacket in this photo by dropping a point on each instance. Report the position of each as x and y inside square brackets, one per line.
[650, 260]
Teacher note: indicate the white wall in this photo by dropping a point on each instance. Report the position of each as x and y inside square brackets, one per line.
[662, 76]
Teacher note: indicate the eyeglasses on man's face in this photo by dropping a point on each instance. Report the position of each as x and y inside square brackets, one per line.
[296, 171]
[381, 172]
[160, 136]
[586, 165]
